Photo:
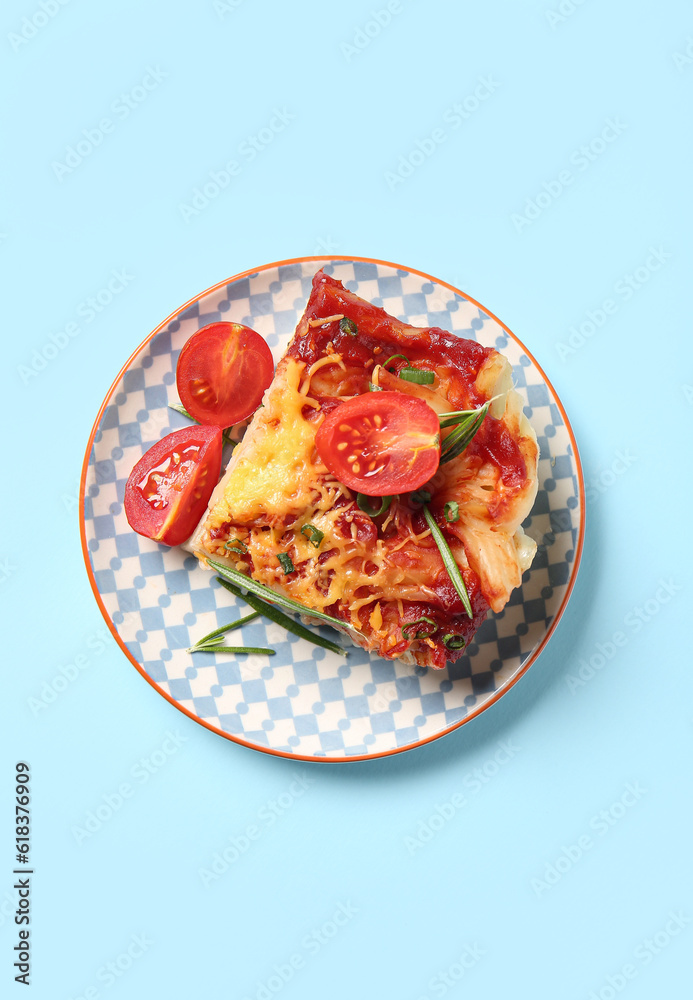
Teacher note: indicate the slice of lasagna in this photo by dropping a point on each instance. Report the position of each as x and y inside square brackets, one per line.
[379, 575]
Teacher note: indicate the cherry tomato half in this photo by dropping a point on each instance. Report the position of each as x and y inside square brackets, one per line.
[222, 373]
[168, 490]
[380, 443]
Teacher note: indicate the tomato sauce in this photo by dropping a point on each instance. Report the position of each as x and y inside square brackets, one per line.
[457, 362]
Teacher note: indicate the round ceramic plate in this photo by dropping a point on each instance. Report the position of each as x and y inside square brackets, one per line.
[306, 702]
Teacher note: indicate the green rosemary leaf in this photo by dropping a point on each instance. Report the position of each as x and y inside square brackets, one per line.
[454, 417]
[247, 582]
[184, 413]
[232, 580]
[219, 648]
[239, 623]
[459, 416]
[449, 561]
[181, 409]
[457, 440]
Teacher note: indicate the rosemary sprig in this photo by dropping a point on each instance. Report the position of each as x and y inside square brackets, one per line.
[238, 623]
[220, 648]
[184, 413]
[235, 580]
[457, 440]
[449, 561]
[454, 417]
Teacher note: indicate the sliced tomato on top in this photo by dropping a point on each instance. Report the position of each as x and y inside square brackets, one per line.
[222, 373]
[381, 443]
[169, 488]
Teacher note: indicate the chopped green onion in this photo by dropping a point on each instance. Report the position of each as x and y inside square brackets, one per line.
[374, 388]
[392, 358]
[417, 375]
[452, 511]
[239, 623]
[313, 534]
[279, 618]
[220, 648]
[457, 440]
[184, 413]
[364, 504]
[452, 641]
[236, 545]
[449, 561]
[285, 560]
[421, 496]
[418, 634]
[347, 325]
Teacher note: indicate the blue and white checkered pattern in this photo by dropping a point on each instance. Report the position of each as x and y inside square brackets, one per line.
[305, 700]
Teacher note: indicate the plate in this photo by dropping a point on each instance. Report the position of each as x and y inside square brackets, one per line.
[306, 702]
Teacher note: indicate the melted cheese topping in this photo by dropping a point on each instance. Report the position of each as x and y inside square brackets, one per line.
[273, 470]
[276, 484]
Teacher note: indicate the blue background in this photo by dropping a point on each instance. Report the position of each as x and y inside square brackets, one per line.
[359, 102]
